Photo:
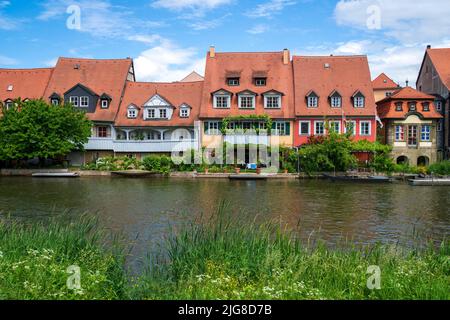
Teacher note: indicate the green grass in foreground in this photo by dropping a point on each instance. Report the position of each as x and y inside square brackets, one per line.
[219, 259]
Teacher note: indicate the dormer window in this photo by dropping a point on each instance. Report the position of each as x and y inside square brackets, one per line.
[184, 113]
[84, 102]
[412, 106]
[426, 106]
[222, 99]
[335, 100]
[399, 106]
[55, 102]
[105, 104]
[247, 99]
[151, 113]
[163, 113]
[233, 82]
[358, 100]
[10, 88]
[312, 100]
[9, 104]
[74, 101]
[132, 112]
[104, 101]
[260, 82]
[272, 99]
[55, 99]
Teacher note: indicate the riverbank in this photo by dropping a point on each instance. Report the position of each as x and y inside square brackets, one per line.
[216, 258]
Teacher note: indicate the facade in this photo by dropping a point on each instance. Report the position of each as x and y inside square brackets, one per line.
[410, 123]
[333, 93]
[247, 85]
[434, 79]
[383, 87]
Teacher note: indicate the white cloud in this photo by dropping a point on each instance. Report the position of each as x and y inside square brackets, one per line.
[190, 4]
[7, 23]
[51, 63]
[270, 8]
[352, 47]
[167, 62]
[403, 20]
[147, 39]
[7, 61]
[258, 29]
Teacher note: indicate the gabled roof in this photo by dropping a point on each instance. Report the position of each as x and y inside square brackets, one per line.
[79, 85]
[247, 65]
[409, 93]
[441, 61]
[384, 82]
[193, 77]
[326, 74]
[26, 83]
[101, 76]
[247, 92]
[178, 93]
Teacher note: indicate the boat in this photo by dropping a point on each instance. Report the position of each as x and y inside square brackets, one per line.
[429, 182]
[132, 173]
[56, 175]
[368, 179]
[245, 176]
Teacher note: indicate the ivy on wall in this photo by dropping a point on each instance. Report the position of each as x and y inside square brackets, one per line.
[262, 118]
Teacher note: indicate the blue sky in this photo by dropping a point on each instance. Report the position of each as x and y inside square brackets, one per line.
[169, 38]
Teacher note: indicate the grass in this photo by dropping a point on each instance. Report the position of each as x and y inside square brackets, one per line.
[216, 258]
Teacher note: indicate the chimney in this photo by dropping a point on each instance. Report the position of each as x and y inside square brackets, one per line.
[286, 56]
[428, 47]
[212, 51]
[407, 83]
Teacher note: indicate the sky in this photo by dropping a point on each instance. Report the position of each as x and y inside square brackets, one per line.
[169, 38]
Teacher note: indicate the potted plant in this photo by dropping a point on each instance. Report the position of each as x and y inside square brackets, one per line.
[258, 170]
[206, 170]
[237, 170]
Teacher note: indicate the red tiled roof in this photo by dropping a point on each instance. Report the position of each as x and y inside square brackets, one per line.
[101, 76]
[323, 75]
[26, 83]
[387, 108]
[441, 61]
[384, 82]
[193, 77]
[247, 66]
[176, 93]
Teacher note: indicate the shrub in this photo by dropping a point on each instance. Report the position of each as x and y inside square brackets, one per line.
[157, 164]
[441, 168]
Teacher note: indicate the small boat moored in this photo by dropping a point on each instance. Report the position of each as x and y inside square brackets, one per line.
[429, 182]
[56, 175]
[367, 179]
[244, 176]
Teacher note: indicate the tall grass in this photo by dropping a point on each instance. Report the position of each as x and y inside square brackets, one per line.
[226, 258]
[34, 260]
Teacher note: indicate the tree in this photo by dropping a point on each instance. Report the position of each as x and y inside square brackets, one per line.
[36, 129]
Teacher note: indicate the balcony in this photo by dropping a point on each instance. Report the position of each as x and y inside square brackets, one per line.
[144, 146]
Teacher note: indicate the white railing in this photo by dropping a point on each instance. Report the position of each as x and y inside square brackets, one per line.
[141, 146]
[247, 139]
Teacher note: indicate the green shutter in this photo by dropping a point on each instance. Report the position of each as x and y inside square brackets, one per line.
[206, 123]
[288, 129]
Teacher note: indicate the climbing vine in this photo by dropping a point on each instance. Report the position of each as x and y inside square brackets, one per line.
[263, 118]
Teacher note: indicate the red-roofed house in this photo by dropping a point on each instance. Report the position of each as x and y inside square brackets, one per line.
[434, 79]
[410, 124]
[336, 90]
[383, 87]
[247, 85]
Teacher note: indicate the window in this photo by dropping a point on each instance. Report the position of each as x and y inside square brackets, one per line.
[313, 102]
[426, 133]
[412, 136]
[439, 126]
[105, 104]
[151, 114]
[399, 133]
[359, 102]
[305, 129]
[335, 126]
[222, 102]
[55, 102]
[319, 128]
[84, 102]
[212, 128]
[350, 126]
[336, 102]
[388, 94]
[233, 82]
[272, 102]
[282, 129]
[74, 101]
[9, 105]
[132, 113]
[184, 112]
[102, 132]
[260, 82]
[426, 106]
[439, 105]
[246, 102]
[412, 106]
[399, 106]
[163, 113]
[365, 128]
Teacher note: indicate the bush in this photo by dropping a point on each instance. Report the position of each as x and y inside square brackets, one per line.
[157, 164]
[441, 168]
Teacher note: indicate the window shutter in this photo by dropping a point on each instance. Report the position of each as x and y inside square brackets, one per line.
[288, 128]
[205, 127]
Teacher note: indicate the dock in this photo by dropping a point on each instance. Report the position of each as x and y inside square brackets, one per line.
[56, 175]
[429, 182]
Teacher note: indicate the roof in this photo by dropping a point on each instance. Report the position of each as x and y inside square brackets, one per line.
[326, 74]
[441, 61]
[387, 109]
[384, 82]
[193, 77]
[175, 93]
[26, 83]
[100, 76]
[247, 66]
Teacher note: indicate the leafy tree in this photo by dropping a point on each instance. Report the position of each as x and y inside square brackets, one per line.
[36, 129]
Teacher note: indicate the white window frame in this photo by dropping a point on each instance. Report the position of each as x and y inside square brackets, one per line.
[233, 82]
[354, 127]
[186, 110]
[228, 99]
[425, 133]
[246, 96]
[399, 132]
[361, 127]
[132, 113]
[300, 128]
[74, 99]
[105, 104]
[359, 102]
[55, 102]
[260, 82]
[9, 105]
[86, 105]
[339, 126]
[323, 128]
[148, 116]
[280, 129]
[334, 101]
[213, 128]
[160, 114]
[266, 101]
[313, 102]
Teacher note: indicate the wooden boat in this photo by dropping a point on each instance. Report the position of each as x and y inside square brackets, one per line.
[244, 176]
[369, 179]
[132, 173]
[429, 182]
[56, 175]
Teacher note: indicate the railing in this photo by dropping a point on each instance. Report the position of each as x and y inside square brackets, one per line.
[247, 139]
[141, 146]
